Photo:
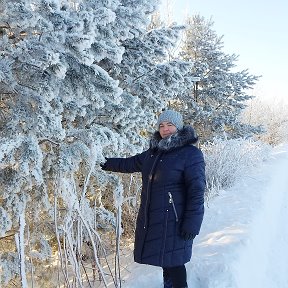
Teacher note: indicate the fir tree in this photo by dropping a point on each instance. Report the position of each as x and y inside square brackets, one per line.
[150, 74]
[217, 99]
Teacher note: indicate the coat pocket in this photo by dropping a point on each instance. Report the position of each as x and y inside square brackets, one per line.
[171, 201]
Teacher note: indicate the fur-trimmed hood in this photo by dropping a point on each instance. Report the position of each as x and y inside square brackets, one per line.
[181, 138]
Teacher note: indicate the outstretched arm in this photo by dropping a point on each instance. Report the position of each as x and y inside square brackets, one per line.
[125, 165]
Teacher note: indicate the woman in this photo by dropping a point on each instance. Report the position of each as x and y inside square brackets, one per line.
[172, 197]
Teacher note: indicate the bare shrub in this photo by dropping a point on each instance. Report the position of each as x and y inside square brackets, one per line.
[273, 116]
[229, 160]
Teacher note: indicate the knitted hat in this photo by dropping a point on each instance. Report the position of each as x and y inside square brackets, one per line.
[171, 116]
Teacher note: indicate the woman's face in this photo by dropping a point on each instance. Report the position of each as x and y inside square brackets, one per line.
[166, 129]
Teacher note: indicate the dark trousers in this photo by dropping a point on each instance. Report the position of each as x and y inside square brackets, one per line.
[176, 276]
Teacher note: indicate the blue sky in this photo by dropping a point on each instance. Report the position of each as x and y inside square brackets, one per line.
[255, 30]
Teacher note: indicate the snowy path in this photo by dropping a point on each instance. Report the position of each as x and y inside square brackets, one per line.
[264, 263]
[244, 238]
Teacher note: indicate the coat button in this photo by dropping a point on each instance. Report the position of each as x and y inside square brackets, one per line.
[161, 160]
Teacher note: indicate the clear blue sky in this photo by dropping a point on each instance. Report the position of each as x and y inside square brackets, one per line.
[255, 30]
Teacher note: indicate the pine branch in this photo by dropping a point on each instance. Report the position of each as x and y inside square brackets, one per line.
[48, 140]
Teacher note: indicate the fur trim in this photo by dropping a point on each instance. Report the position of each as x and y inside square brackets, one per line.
[185, 136]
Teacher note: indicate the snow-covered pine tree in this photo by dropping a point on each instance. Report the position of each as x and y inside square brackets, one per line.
[221, 92]
[59, 116]
[150, 74]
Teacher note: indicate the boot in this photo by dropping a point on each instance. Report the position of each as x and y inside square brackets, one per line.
[166, 279]
[167, 283]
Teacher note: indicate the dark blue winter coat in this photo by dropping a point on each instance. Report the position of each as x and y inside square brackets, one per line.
[172, 198]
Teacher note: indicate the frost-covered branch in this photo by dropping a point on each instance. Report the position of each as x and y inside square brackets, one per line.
[20, 243]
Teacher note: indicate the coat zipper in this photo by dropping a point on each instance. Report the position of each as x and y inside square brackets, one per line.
[165, 234]
[171, 201]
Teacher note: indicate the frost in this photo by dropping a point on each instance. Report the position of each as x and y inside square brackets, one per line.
[44, 250]
[10, 266]
[5, 222]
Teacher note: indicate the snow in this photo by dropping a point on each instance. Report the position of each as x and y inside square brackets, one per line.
[21, 248]
[243, 240]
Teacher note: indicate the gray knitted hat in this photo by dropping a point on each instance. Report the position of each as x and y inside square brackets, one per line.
[171, 116]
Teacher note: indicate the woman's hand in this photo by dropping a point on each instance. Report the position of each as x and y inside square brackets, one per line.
[103, 165]
[187, 235]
